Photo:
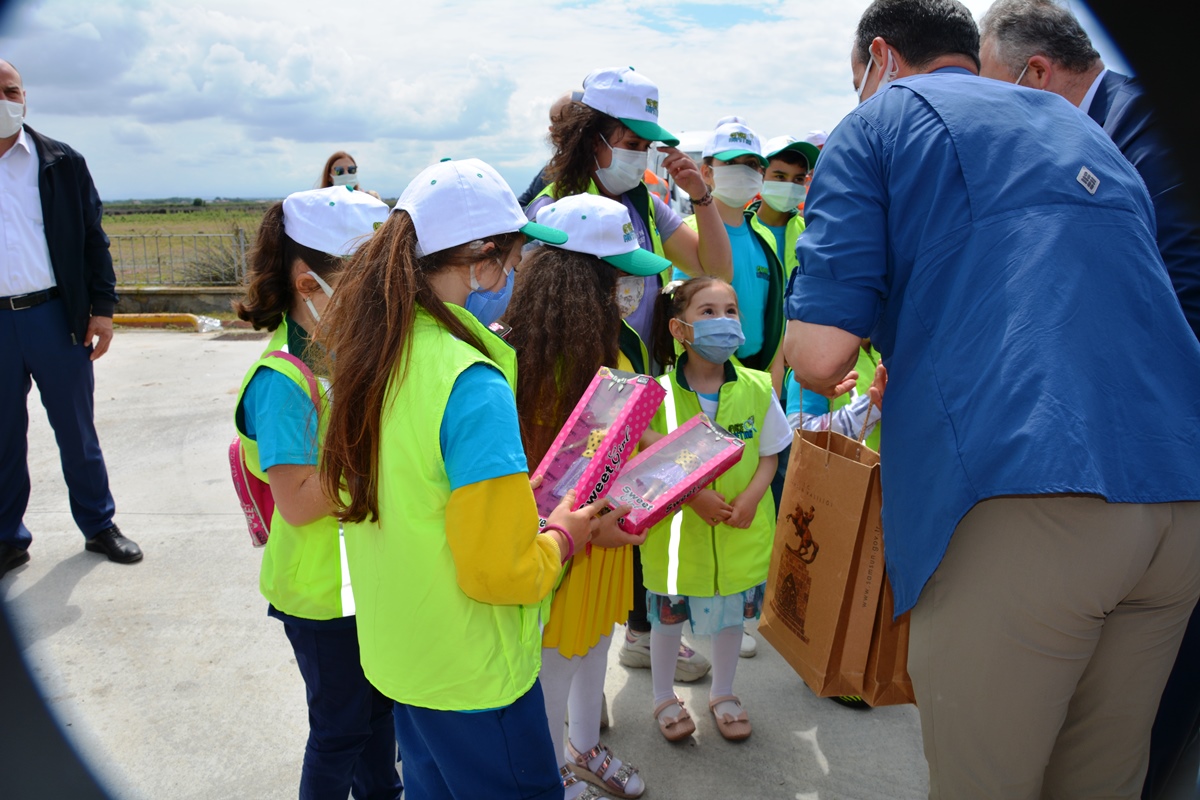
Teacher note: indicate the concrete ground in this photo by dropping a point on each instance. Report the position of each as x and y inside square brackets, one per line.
[172, 682]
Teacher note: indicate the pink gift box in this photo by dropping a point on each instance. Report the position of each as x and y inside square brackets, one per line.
[666, 475]
[597, 439]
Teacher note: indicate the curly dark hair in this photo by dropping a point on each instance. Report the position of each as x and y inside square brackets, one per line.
[574, 137]
[565, 326]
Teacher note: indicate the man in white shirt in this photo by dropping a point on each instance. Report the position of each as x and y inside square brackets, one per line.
[57, 295]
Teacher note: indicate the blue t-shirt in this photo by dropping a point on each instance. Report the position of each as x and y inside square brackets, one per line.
[999, 251]
[280, 417]
[480, 435]
[751, 282]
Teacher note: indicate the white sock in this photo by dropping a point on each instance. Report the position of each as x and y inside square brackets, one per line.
[726, 649]
[664, 651]
[587, 695]
[556, 675]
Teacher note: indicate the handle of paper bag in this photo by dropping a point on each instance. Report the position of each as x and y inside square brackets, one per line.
[862, 437]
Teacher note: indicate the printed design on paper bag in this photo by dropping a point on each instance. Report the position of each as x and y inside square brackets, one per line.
[795, 585]
[807, 551]
[651, 106]
[744, 430]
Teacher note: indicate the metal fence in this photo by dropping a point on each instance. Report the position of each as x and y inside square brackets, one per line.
[179, 259]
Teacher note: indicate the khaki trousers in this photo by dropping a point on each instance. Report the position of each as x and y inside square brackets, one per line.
[1040, 647]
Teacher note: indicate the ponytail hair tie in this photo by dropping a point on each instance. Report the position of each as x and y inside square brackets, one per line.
[671, 287]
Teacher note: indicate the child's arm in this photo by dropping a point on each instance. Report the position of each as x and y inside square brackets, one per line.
[296, 489]
[746, 504]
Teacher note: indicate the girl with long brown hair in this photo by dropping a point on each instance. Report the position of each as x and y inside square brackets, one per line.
[600, 145]
[299, 255]
[566, 319]
[424, 459]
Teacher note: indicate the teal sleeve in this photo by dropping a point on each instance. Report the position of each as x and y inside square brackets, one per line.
[280, 417]
[480, 435]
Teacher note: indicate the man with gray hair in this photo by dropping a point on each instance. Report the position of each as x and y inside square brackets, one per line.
[1040, 44]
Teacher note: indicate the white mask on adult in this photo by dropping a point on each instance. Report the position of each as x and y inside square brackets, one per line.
[346, 179]
[886, 76]
[783, 196]
[736, 184]
[11, 116]
[625, 171]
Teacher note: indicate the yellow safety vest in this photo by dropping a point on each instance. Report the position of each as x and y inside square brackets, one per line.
[303, 569]
[715, 559]
[422, 640]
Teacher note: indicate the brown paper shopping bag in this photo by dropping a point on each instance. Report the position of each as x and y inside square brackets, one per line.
[827, 563]
[886, 682]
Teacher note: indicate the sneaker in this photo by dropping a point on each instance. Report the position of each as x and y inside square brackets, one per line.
[635, 654]
[749, 646]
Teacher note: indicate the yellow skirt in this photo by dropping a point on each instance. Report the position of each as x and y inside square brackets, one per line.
[595, 595]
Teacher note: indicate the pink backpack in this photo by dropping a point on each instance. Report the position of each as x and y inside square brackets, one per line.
[258, 504]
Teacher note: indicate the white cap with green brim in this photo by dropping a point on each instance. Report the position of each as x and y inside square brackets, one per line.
[731, 140]
[601, 227]
[454, 202]
[630, 97]
[777, 145]
[335, 221]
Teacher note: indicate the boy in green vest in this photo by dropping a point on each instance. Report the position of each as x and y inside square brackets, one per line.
[777, 216]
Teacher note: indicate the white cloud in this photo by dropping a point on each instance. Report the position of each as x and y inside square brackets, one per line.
[248, 97]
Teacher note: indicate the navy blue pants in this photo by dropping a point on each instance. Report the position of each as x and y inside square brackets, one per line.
[504, 754]
[35, 345]
[351, 740]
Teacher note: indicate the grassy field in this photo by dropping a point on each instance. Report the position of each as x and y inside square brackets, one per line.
[184, 220]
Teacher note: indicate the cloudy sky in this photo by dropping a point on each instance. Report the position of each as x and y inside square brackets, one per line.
[247, 98]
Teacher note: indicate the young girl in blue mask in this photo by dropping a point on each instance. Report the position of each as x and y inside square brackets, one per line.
[711, 568]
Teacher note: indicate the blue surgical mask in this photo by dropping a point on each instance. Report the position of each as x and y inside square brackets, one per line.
[716, 339]
[487, 307]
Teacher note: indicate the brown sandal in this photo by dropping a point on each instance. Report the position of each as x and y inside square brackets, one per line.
[675, 728]
[734, 729]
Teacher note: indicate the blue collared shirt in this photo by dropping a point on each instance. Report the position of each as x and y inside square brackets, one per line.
[1020, 315]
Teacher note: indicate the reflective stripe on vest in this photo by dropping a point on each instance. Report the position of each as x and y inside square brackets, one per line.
[677, 520]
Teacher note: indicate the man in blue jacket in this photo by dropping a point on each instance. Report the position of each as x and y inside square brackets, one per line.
[1042, 44]
[999, 251]
[57, 295]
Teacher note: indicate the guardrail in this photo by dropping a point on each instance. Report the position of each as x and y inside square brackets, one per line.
[179, 259]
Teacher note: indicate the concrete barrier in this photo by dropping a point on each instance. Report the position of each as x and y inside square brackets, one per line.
[176, 299]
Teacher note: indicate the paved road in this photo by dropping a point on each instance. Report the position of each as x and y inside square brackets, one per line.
[170, 674]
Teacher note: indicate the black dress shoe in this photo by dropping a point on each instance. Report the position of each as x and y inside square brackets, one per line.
[11, 557]
[113, 544]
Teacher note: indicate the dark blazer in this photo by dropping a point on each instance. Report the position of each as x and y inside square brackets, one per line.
[1123, 110]
[71, 214]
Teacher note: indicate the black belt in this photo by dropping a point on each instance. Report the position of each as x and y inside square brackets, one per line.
[20, 302]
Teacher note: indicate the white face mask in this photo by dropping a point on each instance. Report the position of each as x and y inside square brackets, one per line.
[346, 179]
[11, 116]
[736, 184]
[627, 169]
[630, 291]
[887, 76]
[783, 196]
[325, 287]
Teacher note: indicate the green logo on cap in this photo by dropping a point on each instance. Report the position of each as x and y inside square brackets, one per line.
[651, 106]
[737, 137]
[627, 228]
